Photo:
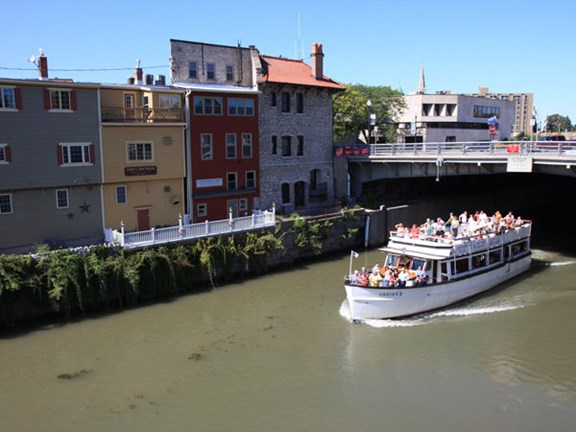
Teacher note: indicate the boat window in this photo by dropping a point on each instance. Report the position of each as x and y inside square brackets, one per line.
[443, 271]
[519, 248]
[495, 256]
[418, 263]
[462, 265]
[478, 261]
[392, 260]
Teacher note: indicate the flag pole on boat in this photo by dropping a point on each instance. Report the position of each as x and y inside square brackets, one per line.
[352, 255]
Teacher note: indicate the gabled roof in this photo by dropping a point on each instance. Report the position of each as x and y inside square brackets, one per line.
[287, 71]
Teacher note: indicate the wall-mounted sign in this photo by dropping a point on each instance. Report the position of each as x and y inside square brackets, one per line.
[140, 171]
[519, 164]
[213, 182]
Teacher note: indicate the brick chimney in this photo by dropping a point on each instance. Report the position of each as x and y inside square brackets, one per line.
[42, 66]
[138, 75]
[317, 61]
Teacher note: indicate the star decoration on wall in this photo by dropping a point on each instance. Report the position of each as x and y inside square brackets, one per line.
[70, 215]
[84, 208]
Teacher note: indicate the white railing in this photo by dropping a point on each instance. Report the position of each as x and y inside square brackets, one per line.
[180, 232]
[540, 148]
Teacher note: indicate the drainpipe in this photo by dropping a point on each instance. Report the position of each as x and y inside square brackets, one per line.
[189, 205]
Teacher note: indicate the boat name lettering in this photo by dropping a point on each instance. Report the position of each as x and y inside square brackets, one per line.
[390, 294]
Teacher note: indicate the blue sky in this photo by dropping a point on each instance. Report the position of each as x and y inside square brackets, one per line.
[507, 46]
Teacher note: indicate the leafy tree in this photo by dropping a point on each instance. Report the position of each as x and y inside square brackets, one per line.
[352, 113]
[558, 123]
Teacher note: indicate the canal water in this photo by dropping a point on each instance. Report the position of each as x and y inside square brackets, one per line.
[278, 353]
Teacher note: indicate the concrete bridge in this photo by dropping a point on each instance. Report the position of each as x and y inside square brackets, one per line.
[410, 160]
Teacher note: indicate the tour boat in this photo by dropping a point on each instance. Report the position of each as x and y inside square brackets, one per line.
[451, 269]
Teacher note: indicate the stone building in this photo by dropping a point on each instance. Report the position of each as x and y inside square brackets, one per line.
[296, 134]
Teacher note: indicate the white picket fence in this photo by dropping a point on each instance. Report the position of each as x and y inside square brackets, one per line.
[180, 232]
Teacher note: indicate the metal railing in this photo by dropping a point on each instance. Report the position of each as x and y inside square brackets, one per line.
[181, 232]
[141, 114]
[496, 148]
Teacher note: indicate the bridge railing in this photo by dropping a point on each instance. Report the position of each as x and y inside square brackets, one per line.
[555, 148]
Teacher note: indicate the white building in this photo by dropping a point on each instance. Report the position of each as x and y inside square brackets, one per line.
[447, 117]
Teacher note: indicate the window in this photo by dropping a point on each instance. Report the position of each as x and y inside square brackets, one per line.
[250, 179]
[241, 107]
[168, 101]
[229, 73]
[7, 98]
[121, 195]
[246, 146]
[5, 156]
[483, 111]
[231, 181]
[274, 144]
[273, 100]
[230, 146]
[140, 151]
[210, 71]
[285, 102]
[300, 146]
[285, 193]
[201, 209]
[62, 198]
[299, 103]
[242, 204]
[5, 203]
[207, 105]
[206, 146]
[75, 154]
[192, 70]
[60, 100]
[286, 146]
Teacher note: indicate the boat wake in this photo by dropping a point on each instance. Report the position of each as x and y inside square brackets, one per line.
[434, 316]
[561, 263]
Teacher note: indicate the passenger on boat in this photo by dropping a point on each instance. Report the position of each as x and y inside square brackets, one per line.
[363, 279]
[421, 276]
[354, 278]
[415, 231]
[403, 277]
[376, 268]
[375, 279]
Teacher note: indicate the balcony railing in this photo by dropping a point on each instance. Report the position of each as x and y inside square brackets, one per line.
[141, 115]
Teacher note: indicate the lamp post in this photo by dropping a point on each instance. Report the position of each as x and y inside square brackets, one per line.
[371, 121]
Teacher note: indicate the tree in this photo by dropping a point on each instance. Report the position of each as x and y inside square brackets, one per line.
[558, 123]
[351, 112]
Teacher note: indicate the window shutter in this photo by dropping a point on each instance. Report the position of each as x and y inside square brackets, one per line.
[73, 104]
[8, 154]
[47, 99]
[18, 97]
[92, 154]
[60, 158]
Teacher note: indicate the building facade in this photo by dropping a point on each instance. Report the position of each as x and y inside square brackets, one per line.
[143, 148]
[446, 117]
[223, 142]
[50, 163]
[296, 134]
[523, 109]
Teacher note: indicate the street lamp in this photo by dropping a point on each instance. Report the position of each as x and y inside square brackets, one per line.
[371, 121]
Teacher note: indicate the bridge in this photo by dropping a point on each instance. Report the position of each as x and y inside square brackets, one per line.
[410, 160]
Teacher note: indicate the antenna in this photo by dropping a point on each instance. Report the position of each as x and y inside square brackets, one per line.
[298, 43]
[32, 59]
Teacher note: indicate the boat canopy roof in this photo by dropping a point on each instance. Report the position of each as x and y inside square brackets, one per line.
[441, 253]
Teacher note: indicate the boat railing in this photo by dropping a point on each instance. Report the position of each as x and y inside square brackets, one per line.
[465, 245]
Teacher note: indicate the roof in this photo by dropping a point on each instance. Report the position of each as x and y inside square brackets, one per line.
[287, 71]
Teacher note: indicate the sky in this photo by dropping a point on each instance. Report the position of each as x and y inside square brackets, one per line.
[516, 46]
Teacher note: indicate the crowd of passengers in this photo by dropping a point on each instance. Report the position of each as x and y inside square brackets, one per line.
[388, 277]
[465, 226]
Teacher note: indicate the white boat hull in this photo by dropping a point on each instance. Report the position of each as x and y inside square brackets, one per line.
[381, 303]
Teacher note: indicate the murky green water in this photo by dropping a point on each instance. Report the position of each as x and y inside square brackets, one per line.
[278, 354]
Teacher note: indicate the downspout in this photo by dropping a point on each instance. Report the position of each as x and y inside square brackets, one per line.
[188, 155]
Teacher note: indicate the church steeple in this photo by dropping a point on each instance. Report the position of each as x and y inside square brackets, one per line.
[421, 82]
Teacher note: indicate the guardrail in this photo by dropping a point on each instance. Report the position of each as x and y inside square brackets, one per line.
[540, 148]
[181, 232]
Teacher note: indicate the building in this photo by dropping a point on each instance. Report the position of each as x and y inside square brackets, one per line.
[296, 134]
[223, 142]
[143, 150]
[50, 162]
[447, 117]
[523, 109]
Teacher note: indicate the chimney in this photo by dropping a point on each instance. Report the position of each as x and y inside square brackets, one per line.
[317, 61]
[42, 66]
[138, 73]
